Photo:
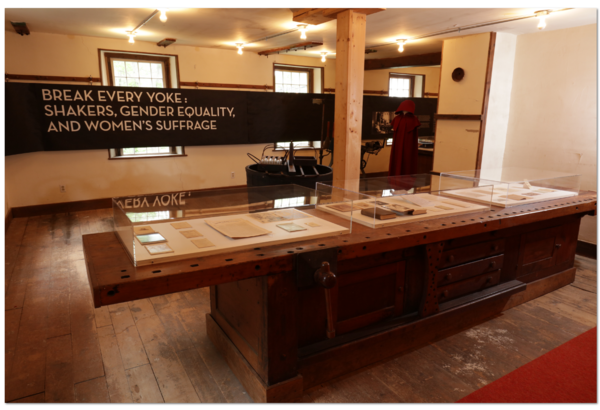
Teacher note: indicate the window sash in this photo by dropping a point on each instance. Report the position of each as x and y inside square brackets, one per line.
[401, 86]
[297, 144]
[163, 75]
[285, 83]
[153, 75]
[137, 57]
[145, 151]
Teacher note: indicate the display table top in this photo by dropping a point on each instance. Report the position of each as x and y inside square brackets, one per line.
[114, 279]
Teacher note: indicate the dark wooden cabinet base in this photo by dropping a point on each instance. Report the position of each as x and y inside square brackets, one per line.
[275, 331]
[386, 290]
[373, 346]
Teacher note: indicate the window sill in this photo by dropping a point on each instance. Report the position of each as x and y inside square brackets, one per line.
[148, 156]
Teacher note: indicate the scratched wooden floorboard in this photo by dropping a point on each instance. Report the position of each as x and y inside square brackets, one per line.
[49, 308]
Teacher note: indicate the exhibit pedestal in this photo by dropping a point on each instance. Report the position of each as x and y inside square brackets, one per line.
[283, 329]
[274, 331]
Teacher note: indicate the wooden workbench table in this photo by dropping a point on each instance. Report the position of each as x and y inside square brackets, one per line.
[396, 288]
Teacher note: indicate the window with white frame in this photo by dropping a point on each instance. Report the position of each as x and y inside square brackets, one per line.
[287, 202]
[297, 144]
[401, 85]
[138, 73]
[293, 80]
[148, 216]
[140, 70]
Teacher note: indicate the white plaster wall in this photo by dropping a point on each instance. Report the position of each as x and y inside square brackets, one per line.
[89, 174]
[499, 101]
[33, 179]
[553, 108]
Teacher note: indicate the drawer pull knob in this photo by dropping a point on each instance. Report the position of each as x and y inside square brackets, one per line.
[558, 245]
[448, 276]
[492, 264]
[451, 258]
[494, 248]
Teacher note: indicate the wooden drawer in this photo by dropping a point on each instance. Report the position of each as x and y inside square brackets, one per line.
[468, 270]
[471, 253]
[467, 286]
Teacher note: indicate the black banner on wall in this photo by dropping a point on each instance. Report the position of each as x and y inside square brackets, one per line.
[70, 117]
[51, 117]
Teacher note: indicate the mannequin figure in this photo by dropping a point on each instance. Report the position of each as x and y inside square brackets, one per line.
[405, 145]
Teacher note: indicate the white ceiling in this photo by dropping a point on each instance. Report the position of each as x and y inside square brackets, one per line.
[221, 28]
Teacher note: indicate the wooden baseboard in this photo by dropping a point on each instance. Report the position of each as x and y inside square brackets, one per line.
[8, 220]
[61, 207]
[589, 250]
[76, 206]
[287, 391]
[542, 286]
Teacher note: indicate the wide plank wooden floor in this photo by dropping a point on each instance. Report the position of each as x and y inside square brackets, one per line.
[60, 349]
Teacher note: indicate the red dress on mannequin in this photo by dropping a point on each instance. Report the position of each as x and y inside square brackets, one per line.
[405, 145]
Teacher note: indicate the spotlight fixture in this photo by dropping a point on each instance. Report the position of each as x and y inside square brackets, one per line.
[400, 45]
[239, 47]
[20, 27]
[542, 14]
[302, 28]
[163, 15]
[131, 35]
[165, 42]
[323, 54]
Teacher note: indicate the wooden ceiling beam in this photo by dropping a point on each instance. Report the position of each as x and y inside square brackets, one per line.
[320, 16]
[404, 61]
[292, 47]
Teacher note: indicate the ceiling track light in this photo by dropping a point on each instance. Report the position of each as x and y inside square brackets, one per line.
[302, 28]
[163, 18]
[163, 15]
[400, 43]
[323, 54]
[542, 14]
[239, 47]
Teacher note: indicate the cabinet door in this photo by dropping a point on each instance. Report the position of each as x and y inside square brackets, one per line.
[538, 250]
[368, 296]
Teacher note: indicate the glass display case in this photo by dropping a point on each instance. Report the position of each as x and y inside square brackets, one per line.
[172, 226]
[514, 185]
[389, 201]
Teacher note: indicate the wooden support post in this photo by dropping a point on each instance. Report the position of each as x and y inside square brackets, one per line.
[349, 84]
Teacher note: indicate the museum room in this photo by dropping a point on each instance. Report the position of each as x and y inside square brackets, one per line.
[300, 205]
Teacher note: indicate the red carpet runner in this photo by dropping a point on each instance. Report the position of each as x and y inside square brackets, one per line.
[566, 374]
